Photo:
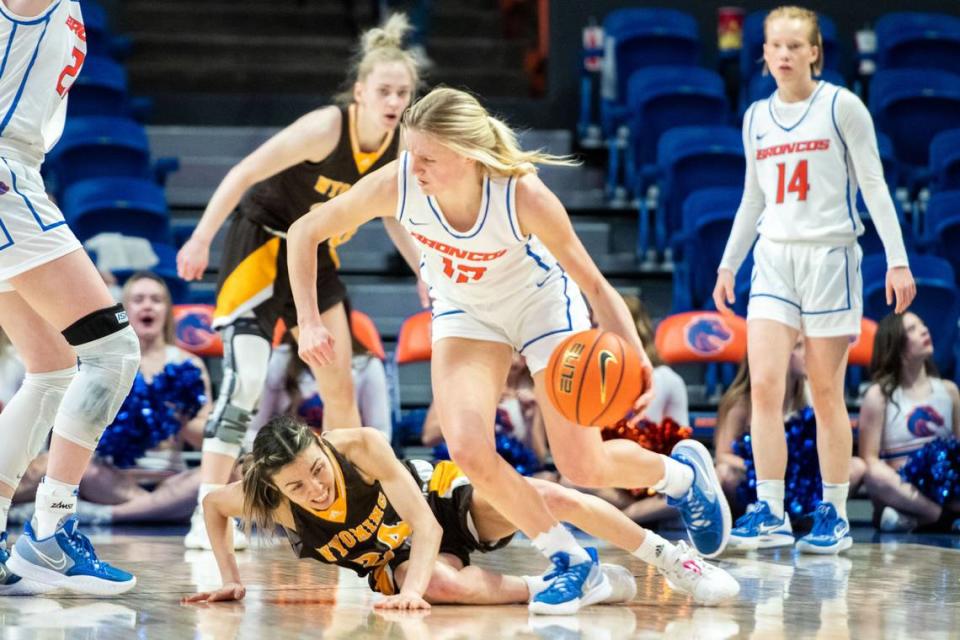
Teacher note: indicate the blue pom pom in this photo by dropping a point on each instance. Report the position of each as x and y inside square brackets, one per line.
[153, 412]
[803, 485]
[932, 469]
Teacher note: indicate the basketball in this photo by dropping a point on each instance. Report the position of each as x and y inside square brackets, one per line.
[594, 377]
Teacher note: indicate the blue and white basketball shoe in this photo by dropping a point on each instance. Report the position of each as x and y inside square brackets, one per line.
[830, 533]
[67, 559]
[572, 586]
[704, 508]
[10, 583]
[758, 528]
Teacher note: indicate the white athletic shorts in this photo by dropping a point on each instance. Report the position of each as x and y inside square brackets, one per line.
[32, 229]
[816, 289]
[533, 321]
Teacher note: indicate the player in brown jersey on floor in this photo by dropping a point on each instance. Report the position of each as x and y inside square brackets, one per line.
[346, 499]
[316, 158]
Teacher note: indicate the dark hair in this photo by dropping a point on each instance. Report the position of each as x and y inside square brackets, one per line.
[886, 364]
[277, 444]
[644, 325]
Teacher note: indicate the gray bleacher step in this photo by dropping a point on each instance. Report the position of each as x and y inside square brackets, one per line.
[235, 49]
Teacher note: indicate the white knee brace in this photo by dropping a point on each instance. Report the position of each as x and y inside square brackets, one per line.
[27, 419]
[109, 354]
[246, 352]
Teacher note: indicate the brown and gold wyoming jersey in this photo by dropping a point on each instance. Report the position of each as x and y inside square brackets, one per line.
[359, 531]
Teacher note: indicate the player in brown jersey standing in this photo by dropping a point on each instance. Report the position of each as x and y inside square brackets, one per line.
[309, 162]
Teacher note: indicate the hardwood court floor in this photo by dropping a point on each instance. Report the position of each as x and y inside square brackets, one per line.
[895, 588]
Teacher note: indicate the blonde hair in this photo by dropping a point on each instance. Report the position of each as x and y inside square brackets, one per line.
[382, 45]
[459, 122]
[792, 12]
[641, 319]
[169, 330]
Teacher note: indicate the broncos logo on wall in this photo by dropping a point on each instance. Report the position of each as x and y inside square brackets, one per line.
[925, 421]
[707, 335]
[193, 330]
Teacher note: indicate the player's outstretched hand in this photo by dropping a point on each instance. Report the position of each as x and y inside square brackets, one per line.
[900, 288]
[315, 345]
[403, 602]
[723, 291]
[230, 592]
[192, 259]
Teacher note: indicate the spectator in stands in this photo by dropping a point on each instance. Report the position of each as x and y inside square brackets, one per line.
[733, 420]
[318, 157]
[290, 389]
[907, 406]
[110, 494]
[670, 399]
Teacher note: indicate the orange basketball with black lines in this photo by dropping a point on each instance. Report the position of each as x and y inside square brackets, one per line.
[594, 377]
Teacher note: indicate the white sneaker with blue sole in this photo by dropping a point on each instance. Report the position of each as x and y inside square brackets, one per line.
[830, 533]
[703, 508]
[759, 528]
[67, 559]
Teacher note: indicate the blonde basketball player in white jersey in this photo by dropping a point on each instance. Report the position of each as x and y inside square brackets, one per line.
[56, 310]
[809, 147]
[493, 239]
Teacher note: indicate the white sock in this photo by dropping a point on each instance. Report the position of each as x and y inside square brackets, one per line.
[677, 478]
[557, 538]
[205, 488]
[836, 494]
[55, 501]
[535, 584]
[4, 512]
[771, 492]
[656, 550]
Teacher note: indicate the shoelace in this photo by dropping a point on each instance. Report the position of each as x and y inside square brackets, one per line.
[560, 564]
[567, 583]
[821, 520]
[755, 515]
[696, 508]
[82, 544]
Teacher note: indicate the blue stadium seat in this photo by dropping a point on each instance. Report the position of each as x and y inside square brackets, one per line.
[663, 97]
[98, 146]
[762, 86]
[870, 240]
[707, 218]
[918, 40]
[945, 160]
[912, 106]
[751, 54]
[100, 41]
[942, 224]
[937, 301]
[690, 159]
[636, 38]
[131, 206]
[99, 90]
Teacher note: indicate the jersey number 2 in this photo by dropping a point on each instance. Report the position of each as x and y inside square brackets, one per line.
[69, 73]
[461, 273]
[798, 182]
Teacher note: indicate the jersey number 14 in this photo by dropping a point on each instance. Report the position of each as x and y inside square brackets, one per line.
[798, 181]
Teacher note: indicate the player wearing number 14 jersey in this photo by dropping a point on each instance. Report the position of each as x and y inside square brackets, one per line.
[810, 146]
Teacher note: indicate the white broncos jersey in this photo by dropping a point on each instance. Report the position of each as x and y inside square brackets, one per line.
[485, 264]
[805, 171]
[42, 56]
